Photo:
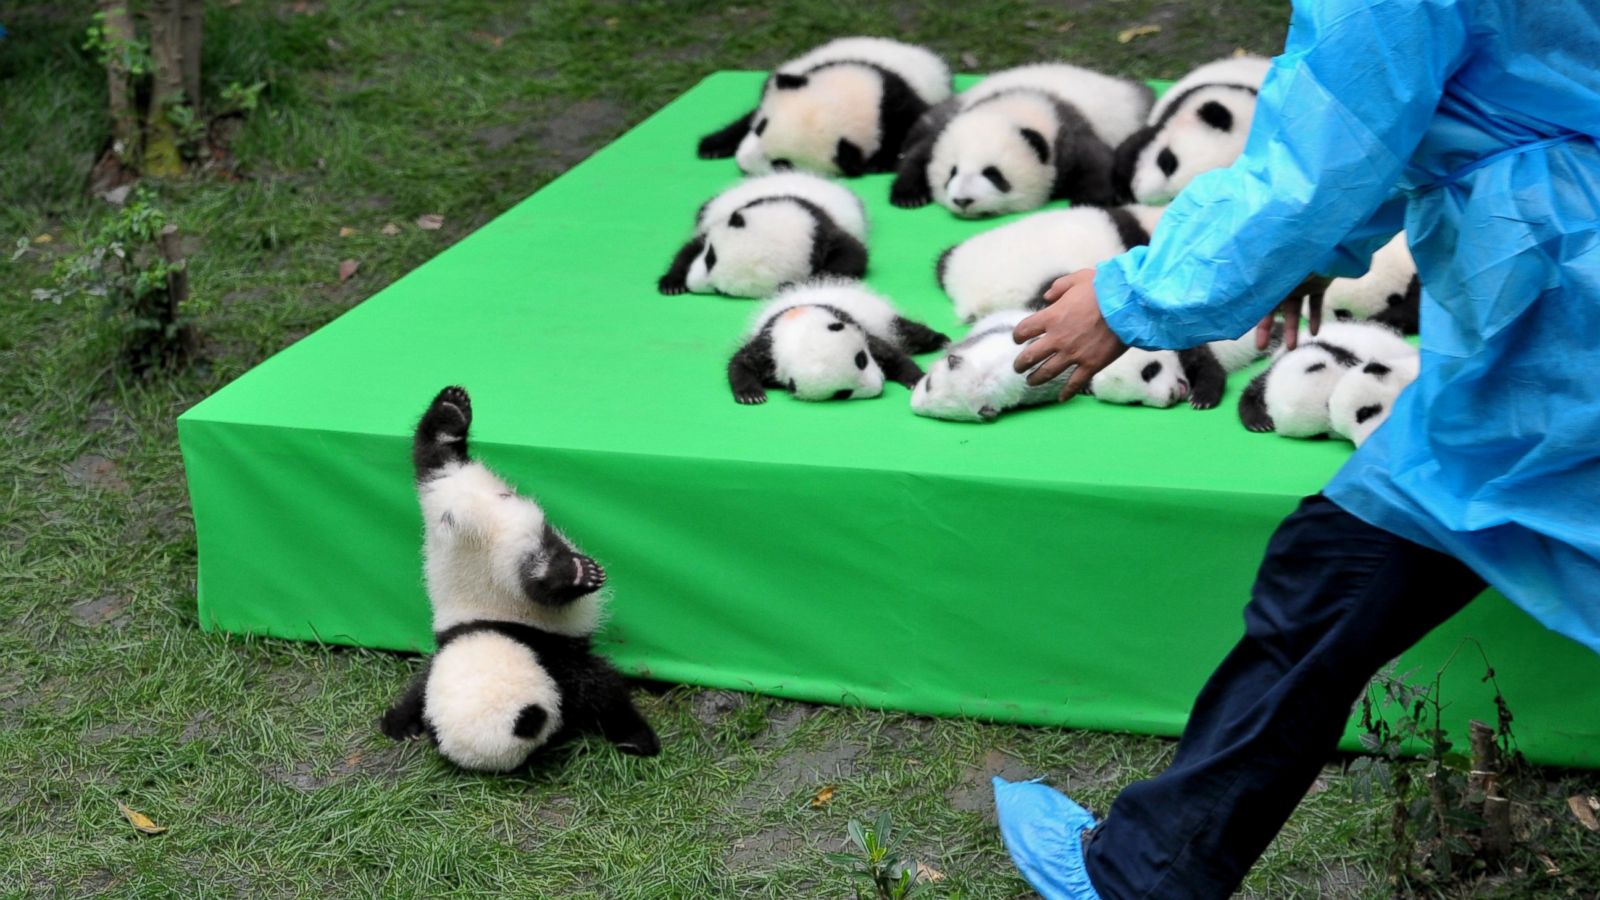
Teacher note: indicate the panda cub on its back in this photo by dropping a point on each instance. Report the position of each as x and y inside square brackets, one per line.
[841, 109]
[769, 231]
[514, 606]
[1019, 139]
[1198, 125]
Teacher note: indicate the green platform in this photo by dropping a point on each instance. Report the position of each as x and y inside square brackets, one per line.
[840, 552]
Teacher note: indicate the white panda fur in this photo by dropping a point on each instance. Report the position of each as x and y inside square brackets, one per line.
[1364, 397]
[1200, 124]
[765, 232]
[1138, 377]
[828, 340]
[841, 108]
[1292, 396]
[975, 380]
[1007, 267]
[514, 606]
[1389, 293]
[1019, 139]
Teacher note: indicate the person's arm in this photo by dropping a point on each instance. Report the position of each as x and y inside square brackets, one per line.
[1341, 112]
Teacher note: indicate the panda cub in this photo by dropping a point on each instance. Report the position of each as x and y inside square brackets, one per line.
[1363, 398]
[975, 380]
[1389, 294]
[842, 109]
[1292, 397]
[514, 606]
[1019, 139]
[828, 340]
[1162, 378]
[769, 231]
[1198, 125]
[1010, 266]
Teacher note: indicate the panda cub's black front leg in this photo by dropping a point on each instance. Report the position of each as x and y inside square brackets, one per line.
[441, 435]
[1207, 377]
[556, 574]
[403, 720]
[615, 716]
[896, 365]
[676, 281]
[911, 188]
[724, 142]
[917, 337]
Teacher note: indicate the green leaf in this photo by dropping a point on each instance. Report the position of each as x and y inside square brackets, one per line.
[856, 836]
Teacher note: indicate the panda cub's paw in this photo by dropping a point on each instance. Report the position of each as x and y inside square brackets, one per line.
[589, 577]
[563, 578]
[441, 435]
[672, 286]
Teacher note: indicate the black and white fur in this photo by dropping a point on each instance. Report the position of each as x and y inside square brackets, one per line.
[1198, 125]
[770, 231]
[1389, 294]
[1010, 266]
[1364, 397]
[1162, 378]
[1292, 396]
[828, 340]
[514, 606]
[975, 381]
[1019, 139]
[843, 108]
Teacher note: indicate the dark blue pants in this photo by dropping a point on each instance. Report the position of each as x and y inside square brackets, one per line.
[1334, 601]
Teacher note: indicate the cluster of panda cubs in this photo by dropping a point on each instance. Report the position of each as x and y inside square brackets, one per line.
[1343, 382]
[514, 608]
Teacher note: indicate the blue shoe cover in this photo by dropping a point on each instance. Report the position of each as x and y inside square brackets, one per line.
[1043, 831]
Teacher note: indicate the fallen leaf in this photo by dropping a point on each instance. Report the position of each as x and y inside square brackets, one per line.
[348, 268]
[1065, 27]
[430, 221]
[391, 229]
[346, 231]
[117, 195]
[493, 40]
[351, 760]
[612, 22]
[926, 872]
[1550, 867]
[823, 797]
[139, 820]
[1137, 32]
[969, 59]
[43, 239]
[1580, 808]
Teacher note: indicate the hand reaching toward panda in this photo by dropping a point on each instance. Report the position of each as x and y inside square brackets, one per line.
[1308, 293]
[1070, 332]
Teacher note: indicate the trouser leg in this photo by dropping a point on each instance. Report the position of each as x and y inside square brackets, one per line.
[1335, 599]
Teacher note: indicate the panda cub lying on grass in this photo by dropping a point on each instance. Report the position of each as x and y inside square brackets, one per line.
[514, 606]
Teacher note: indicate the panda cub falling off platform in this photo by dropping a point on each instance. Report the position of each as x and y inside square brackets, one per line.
[514, 608]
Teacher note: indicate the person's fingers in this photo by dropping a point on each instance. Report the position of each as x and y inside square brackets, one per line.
[1264, 333]
[1053, 365]
[1315, 303]
[1057, 288]
[1076, 383]
[1030, 328]
[1031, 355]
[1291, 323]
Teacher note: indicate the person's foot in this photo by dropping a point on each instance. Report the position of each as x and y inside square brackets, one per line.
[1044, 831]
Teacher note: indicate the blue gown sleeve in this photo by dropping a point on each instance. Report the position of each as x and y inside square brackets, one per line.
[1341, 111]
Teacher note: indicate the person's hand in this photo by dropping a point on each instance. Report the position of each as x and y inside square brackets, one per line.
[1308, 293]
[1071, 332]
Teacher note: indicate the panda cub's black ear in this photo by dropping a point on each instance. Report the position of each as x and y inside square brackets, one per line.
[849, 159]
[1041, 147]
[787, 82]
[1216, 115]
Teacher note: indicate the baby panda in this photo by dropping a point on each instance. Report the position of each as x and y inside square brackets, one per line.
[828, 340]
[1198, 125]
[1019, 139]
[1362, 399]
[1292, 396]
[842, 109]
[1010, 266]
[769, 231]
[1389, 294]
[975, 381]
[514, 606]
[1162, 378]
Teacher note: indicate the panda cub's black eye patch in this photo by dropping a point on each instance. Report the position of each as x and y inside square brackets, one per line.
[761, 127]
[1343, 315]
[861, 359]
[1367, 412]
[997, 179]
[1315, 367]
[1151, 371]
[782, 165]
[711, 258]
[1167, 162]
[835, 326]
[736, 220]
[952, 173]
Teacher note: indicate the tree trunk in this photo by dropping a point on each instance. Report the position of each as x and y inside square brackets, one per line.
[189, 21]
[162, 158]
[126, 142]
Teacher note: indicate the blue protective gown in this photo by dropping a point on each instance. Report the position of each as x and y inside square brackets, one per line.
[1472, 124]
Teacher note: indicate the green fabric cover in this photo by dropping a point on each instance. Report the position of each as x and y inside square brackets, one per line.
[845, 552]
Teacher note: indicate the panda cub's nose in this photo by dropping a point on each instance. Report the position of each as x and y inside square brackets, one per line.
[962, 202]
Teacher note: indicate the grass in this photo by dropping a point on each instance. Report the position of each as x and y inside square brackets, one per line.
[261, 757]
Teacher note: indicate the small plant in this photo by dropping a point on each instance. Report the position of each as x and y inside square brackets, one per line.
[132, 265]
[877, 861]
[239, 99]
[1450, 816]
